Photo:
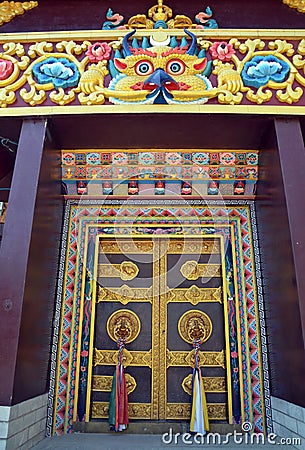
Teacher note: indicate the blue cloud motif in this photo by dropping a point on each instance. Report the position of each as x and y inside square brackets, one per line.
[59, 71]
[260, 69]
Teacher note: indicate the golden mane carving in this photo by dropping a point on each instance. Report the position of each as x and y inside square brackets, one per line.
[9, 10]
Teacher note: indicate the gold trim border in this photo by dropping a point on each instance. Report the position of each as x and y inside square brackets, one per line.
[217, 33]
[274, 110]
[225, 306]
[237, 314]
[182, 409]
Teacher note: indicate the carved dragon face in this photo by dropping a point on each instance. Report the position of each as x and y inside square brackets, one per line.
[160, 74]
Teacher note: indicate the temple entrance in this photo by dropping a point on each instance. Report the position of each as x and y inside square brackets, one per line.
[160, 276]
[161, 293]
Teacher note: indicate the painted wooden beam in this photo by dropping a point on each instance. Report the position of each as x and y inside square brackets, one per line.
[292, 160]
[14, 251]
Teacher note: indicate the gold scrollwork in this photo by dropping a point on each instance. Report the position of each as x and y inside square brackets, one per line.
[9, 10]
[104, 383]
[211, 384]
[195, 295]
[185, 359]
[139, 410]
[192, 270]
[135, 410]
[123, 324]
[127, 270]
[91, 89]
[231, 87]
[216, 411]
[161, 13]
[125, 246]
[203, 246]
[124, 294]
[195, 324]
[100, 410]
[130, 358]
[297, 4]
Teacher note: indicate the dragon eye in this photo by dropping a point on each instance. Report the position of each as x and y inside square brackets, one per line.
[144, 67]
[175, 67]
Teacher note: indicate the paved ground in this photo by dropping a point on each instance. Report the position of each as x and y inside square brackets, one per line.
[124, 441]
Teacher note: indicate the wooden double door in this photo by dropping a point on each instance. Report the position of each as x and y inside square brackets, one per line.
[160, 293]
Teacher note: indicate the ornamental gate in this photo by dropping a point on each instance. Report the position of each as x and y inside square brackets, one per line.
[161, 293]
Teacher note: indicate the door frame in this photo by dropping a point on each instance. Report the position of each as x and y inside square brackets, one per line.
[83, 218]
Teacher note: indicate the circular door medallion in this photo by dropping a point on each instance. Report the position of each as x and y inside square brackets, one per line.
[123, 324]
[195, 324]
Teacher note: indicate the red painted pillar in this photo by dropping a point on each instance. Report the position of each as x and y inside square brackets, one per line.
[14, 250]
[292, 160]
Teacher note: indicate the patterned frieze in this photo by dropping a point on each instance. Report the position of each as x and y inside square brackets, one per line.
[146, 171]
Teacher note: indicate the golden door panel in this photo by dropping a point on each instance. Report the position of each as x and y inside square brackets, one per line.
[162, 292]
[127, 296]
[191, 303]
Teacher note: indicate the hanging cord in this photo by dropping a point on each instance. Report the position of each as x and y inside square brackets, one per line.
[121, 345]
[5, 143]
[196, 346]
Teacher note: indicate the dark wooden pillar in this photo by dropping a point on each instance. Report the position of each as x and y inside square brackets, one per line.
[292, 160]
[280, 218]
[14, 252]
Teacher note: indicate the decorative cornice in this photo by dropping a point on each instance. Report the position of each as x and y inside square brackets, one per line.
[297, 4]
[9, 10]
[84, 58]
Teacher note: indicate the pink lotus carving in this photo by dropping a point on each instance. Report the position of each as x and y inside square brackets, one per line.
[222, 51]
[6, 69]
[98, 51]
